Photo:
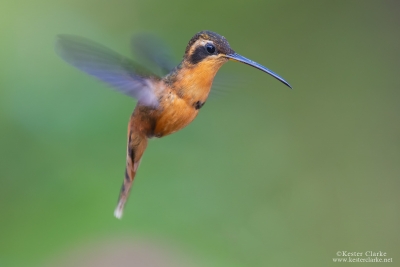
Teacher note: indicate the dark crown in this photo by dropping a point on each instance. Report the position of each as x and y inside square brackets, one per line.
[219, 41]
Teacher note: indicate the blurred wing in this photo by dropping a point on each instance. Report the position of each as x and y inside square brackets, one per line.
[225, 83]
[150, 50]
[108, 66]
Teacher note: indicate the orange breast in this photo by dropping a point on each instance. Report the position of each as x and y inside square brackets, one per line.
[176, 113]
[178, 100]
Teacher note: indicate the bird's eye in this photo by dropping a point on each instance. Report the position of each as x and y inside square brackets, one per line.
[210, 48]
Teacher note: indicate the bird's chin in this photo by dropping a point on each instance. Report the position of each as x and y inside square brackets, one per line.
[219, 61]
[223, 59]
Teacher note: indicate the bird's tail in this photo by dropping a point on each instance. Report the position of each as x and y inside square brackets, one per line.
[137, 143]
[123, 196]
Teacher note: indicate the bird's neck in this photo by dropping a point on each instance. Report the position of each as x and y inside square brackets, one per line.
[193, 82]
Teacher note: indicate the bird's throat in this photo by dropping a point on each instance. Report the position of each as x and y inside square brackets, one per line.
[193, 82]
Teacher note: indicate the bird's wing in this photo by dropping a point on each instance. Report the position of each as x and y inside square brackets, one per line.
[118, 71]
[153, 52]
[225, 83]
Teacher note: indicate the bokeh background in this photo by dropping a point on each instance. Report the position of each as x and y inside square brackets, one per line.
[265, 176]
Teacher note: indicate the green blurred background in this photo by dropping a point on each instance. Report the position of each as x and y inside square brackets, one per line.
[265, 176]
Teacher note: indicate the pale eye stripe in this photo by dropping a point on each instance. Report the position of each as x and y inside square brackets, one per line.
[200, 42]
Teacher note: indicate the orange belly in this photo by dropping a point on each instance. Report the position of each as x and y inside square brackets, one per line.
[175, 115]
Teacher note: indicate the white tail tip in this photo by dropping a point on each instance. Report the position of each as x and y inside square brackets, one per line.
[118, 211]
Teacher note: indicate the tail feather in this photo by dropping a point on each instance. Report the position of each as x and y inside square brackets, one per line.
[119, 210]
[136, 145]
[123, 196]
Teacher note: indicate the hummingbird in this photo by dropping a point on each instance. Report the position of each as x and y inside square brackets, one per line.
[165, 104]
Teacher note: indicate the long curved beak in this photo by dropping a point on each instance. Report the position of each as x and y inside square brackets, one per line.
[239, 58]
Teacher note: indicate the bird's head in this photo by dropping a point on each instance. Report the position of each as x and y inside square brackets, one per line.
[207, 46]
[208, 51]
